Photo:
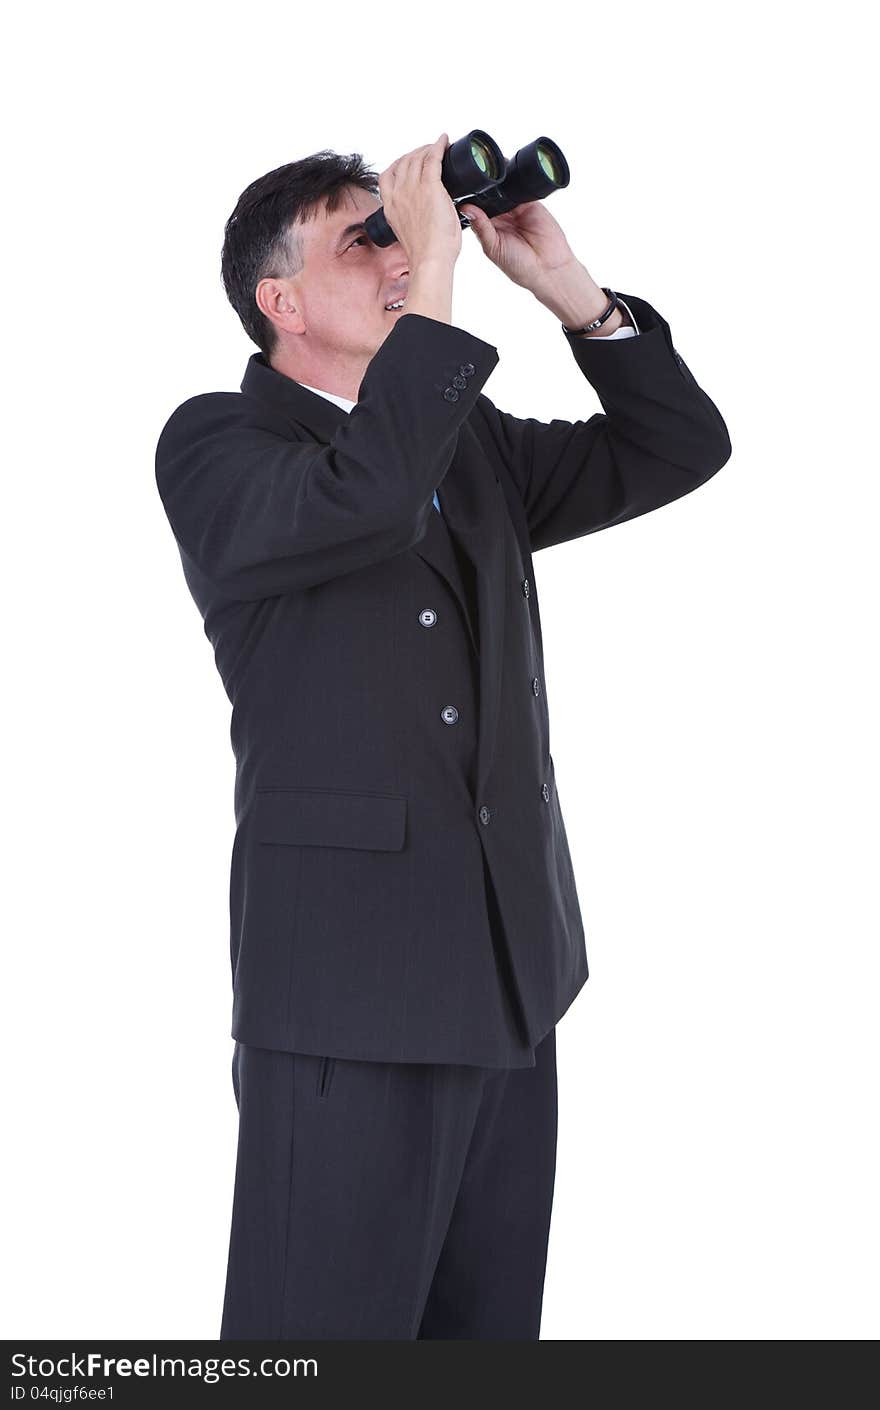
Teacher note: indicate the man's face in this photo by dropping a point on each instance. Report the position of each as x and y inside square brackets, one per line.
[346, 281]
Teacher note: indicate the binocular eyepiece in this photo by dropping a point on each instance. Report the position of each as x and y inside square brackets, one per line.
[475, 170]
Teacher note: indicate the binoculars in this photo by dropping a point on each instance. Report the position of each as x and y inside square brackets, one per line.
[475, 170]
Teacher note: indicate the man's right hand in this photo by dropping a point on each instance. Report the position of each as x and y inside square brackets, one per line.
[418, 207]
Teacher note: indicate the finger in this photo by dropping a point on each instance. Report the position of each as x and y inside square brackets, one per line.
[478, 218]
[481, 226]
[434, 152]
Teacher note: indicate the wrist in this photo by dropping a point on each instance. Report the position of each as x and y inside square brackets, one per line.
[616, 320]
[430, 289]
[433, 264]
[574, 297]
[602, 320]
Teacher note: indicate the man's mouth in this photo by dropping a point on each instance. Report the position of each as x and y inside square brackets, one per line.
[396, 306]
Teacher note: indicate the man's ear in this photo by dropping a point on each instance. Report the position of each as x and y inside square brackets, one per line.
[278, 304]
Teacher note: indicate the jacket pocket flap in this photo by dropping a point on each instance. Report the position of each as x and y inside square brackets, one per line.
[327, 818]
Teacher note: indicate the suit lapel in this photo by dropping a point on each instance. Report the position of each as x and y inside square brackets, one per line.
[473, 510]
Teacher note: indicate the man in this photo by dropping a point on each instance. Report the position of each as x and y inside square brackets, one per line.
[356, 526]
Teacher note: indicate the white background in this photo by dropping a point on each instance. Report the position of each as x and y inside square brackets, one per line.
[710, 666]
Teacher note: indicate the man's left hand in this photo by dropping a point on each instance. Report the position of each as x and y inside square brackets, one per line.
[527, 244]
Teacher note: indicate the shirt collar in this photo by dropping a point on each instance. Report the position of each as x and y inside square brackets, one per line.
[331, 396]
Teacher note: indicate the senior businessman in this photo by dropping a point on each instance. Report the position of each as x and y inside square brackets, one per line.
[357, 528]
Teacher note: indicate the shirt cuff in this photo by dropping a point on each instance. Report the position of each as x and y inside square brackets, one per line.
[621, 332]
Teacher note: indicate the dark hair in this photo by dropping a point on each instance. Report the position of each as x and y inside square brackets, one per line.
[259, 240]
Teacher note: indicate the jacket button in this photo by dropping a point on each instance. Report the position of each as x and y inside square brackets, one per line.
[449, 714]
[484, 814]
[460, 382]
[427, 616]
[525, 587]
[536, 685]
[467, 369]
[545, 791]
[450, 394]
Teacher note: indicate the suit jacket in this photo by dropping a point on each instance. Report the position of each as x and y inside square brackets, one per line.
[401, 887]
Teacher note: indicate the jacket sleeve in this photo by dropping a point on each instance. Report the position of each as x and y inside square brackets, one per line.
[258, 513]
[658, 438]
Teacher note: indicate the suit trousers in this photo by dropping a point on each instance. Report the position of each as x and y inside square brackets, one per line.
[389, 1201]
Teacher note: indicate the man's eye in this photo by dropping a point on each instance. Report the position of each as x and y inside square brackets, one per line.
[354, 242]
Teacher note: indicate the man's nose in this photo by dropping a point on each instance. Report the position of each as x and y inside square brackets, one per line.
[398, 262]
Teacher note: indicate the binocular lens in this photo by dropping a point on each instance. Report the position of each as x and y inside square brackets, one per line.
[484, 158]
[547, 164]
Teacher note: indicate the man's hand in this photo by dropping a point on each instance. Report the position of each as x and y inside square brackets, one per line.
[418, 207]
[529, 245]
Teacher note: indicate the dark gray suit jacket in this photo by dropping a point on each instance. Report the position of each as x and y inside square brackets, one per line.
[401, 886]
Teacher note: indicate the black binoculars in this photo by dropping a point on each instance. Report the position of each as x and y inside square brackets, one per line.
[475, 170]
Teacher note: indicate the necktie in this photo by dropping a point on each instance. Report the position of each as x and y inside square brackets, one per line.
[436, 502]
